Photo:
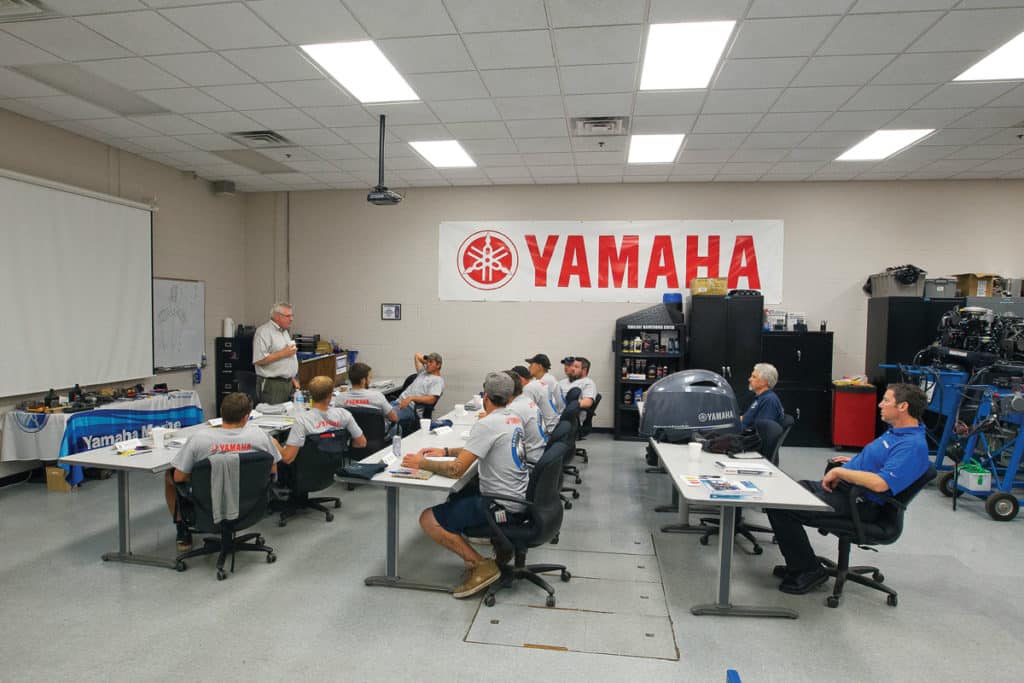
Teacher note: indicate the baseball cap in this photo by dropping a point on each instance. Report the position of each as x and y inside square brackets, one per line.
[521, 371]
[498, 385]
[541, 360]
[568, 360]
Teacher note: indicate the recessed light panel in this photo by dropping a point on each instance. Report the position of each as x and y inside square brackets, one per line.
[363, 70]
[883, 144]
[444, 153]
[654, 149]
[1006, 63]
[685, 55]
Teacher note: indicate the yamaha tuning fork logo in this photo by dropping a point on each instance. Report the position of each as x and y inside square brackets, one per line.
[488, 260]
[31, 422]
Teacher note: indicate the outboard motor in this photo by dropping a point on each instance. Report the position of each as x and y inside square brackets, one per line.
[687, 403]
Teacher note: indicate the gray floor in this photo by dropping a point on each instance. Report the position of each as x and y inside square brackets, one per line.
[65, 613]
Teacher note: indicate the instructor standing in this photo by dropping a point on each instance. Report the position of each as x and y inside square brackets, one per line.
[273, 354]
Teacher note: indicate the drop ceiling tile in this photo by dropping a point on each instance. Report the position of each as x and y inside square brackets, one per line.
[705, 156]
[337, 152]
[409, 163]
[877, 33]
[144, 33]
[273, 64]
[171, 124]
[953, 95]
[119, 127]
[951, 137]
[132, 73]
[843, 70]
[490, 146]
[549, 158]
[521, 82]
[68, 107]
[663, 11]
[1005, 136]
[312, 166]
[66, 38]
[872, 6]
[340, 117]
[361, 133]
[184, 100]
[713, 140]
[391, 18]
[791, 122]
[830, 139]
[813, 99]
[13, 84]
[304, 22]
[452, 85]
[510, 49]
[598, 146]
[403, 113]
[210, 142]
[819, 154]
[224, 26]
[926, 67]
[981, 152]
[758, 73]
[1002, 165]
[726, 123]
[534, 149]
[599, 105]
[530, 107]
[927, 118]
[225, 122]
[428, 54]
[740, 101]
[281, 119]
[750, 168]
[757, 155]
[498, 160]
[78, 7]
[1014, 98]
[873, 97]
[603, 158]
[594, 12]
[508, 172]
[287, 155]
[202, 68]
[537, 128]
[982, 30]
[475, 16]
[321, 93]
[761, 9]
[668, 103]
[163, 144]
[598, 78]
[662, 124]
[425, 174]
[224, 170]
[797, 167]
[14, 52]
[457, 111]
[552, 171]
[858, 120]
[247, 96]
[598, 45]
[483, 130]
[793, 37]
[195, 156]
[1002, 117]
[772, 140]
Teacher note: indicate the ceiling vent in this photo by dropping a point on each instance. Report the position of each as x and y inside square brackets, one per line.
[23, 10]
[261, 139]
[603, 126]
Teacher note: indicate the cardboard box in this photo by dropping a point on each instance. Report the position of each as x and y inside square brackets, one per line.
[709, 286]
[976, 284]
[55, 480]
[975, 481]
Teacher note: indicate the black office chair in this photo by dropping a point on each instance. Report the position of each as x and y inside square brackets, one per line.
[586, 425]
[852, 530]
[375, 428]
[567, 430]
[409, 380]
[536, 526]
[195, 500]
[248, 384]
[312, 470]
[772, 436]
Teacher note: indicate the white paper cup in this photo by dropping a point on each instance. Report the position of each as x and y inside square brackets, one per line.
[695, 450]
[425, 425]
[460, 409]
[159, 434]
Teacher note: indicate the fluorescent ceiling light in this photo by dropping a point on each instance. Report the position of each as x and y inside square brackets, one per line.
[654, 149]
[444, 153]
[363, 70]
[883, 144]
[1006, 63]
[683, 55]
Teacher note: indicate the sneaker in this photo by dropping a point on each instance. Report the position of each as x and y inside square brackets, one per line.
[804, 582]
[184, 539]
[480, 577]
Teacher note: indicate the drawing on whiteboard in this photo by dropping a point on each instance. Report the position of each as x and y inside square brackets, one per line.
[178, 323]
[171, 321]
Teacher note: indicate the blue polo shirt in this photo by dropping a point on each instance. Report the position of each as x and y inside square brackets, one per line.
[900, 457]
[766, 406]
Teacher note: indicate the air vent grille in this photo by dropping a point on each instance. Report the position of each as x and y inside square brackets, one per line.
[261, 139]
[603, 126]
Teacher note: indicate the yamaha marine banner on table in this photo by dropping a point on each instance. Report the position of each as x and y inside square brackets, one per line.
[605, 260]
[98, 428]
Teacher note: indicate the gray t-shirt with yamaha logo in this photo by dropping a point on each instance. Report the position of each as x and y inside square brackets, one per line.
[498, 442]
[535, 437]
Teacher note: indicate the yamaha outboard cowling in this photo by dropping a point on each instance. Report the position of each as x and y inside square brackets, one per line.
[688, 402]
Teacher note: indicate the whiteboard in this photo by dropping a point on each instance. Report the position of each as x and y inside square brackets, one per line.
[179, 323]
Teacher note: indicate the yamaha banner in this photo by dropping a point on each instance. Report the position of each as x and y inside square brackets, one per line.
[605, 260]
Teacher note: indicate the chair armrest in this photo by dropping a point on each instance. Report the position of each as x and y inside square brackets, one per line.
[856, 492]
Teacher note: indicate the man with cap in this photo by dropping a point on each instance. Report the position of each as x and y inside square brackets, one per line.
[542, 388]
[564, 384]
[425, 389]
[273, 354]
[496, 440]
[529, 412]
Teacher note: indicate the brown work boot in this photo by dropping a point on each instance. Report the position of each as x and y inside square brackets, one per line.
[481, 575]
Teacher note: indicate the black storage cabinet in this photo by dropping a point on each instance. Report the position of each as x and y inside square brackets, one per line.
[725, 337]
[898, 327]
[804, 362]
[230, 355]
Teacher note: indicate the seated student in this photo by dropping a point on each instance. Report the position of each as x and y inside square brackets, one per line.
[581, 379]
[496, 441]
[543, 389]
[320, 417]
[766, 405]
[234, 434]
[362, 396]
[424, 390]
[564, 384]
[529, 412]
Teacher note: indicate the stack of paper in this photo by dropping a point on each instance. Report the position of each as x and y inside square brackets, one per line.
[744, 467]
[731, 488]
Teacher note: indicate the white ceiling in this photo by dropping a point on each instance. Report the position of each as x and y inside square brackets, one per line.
[800, 82]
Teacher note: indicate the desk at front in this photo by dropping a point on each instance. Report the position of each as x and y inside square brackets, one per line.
[779, 492]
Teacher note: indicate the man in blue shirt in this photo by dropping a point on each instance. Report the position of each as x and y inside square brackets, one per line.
[766, 405]
[889, 464]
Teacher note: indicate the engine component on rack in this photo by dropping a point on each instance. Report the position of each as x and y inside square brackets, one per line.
[968, 328]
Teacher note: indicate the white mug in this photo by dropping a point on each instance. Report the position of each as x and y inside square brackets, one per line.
[460, 409]
[695, 450]
[425, 425]
[158, 433]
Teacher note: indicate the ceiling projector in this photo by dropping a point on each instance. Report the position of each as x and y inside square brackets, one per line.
[382, 196]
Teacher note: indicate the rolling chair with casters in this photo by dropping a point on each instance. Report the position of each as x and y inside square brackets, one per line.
[312, 470]
[375, 428]
[586, 425]
[772, 436]
[253, 496]
[567, 428]
[535, 527]
[852, 530]
[248, 384]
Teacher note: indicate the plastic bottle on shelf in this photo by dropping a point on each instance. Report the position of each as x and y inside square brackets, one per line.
[638, 396]
[638, 344]
[627, 398]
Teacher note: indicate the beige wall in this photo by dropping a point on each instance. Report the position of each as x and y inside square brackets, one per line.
[347, 257]
[196, 235]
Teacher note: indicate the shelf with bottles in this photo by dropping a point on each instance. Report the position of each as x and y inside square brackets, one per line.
[640, 370]
[660, 342]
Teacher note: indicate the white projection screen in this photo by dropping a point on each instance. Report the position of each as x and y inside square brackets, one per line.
[76, 270]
